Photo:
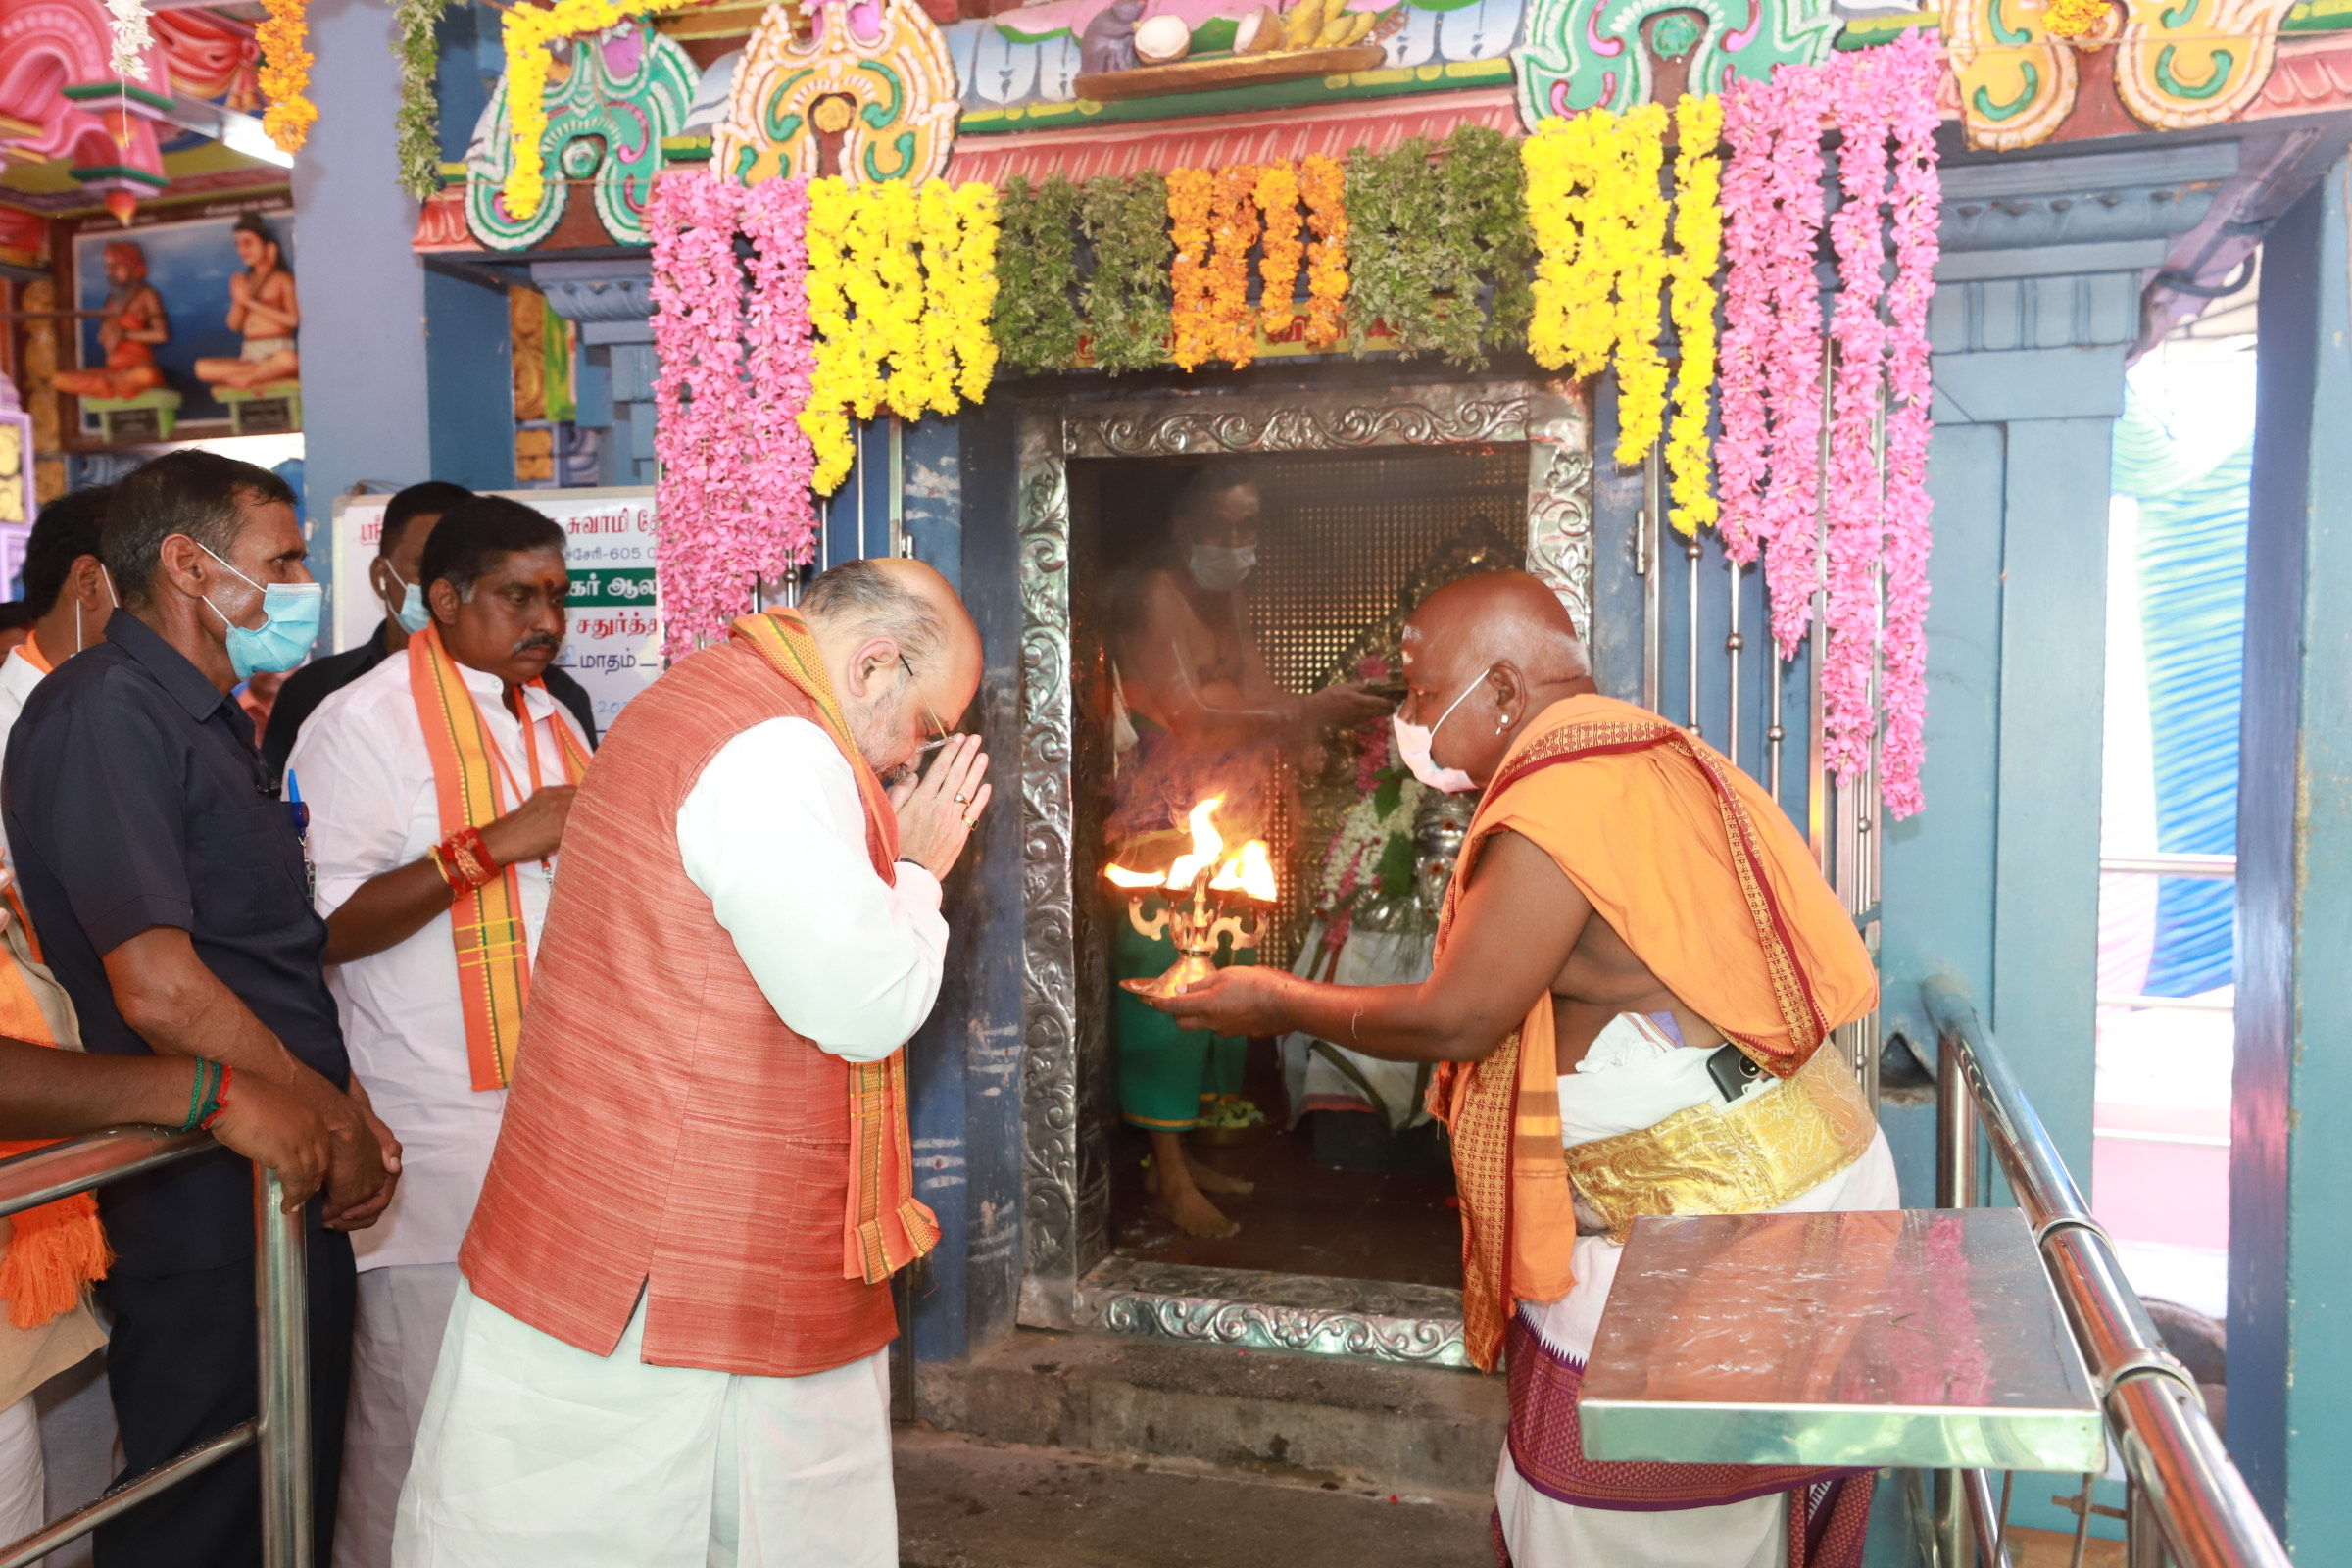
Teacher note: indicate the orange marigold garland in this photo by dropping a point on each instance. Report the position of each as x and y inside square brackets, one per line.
[284, 72]
[1324, 184]
[1232, 325]
[1191, 197]
[1280, 252]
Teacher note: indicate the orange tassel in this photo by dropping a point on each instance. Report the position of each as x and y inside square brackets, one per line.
[57, 1250]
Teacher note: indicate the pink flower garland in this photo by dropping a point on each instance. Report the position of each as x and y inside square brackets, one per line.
[1792, 364]
[1853, 526]
[1916, 73]
[1769, 457]
[781, 461]
[733, 496]
[1748, 110]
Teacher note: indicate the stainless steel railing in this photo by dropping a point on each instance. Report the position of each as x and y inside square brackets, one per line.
[283, 1428]
[2187, 1502]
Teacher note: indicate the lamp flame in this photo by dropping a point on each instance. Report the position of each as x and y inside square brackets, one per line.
[1208, 845]
[1250, 873]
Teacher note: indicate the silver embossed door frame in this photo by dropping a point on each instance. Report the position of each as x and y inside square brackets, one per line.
[1064, 1174]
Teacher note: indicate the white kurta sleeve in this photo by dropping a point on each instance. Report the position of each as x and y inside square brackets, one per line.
[348, 766]
[773, 833]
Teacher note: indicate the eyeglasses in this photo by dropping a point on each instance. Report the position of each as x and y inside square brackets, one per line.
[940, 733]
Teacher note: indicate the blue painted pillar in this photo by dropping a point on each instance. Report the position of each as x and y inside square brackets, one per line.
[2290, 1252]
[366, 413]
[1997, 880]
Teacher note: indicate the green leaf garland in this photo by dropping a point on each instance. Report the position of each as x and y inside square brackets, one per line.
[1425, 237]
[416, 124]
[1126, 298]
[1036, 321]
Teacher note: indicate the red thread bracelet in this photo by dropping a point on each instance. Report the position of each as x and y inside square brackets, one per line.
[219, 1096]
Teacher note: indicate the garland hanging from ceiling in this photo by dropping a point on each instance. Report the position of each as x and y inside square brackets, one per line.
[128, 35]
[734, 494]
[416, 124]
[901, 285]
[1857, 532]
[531, 33]
[284, 36]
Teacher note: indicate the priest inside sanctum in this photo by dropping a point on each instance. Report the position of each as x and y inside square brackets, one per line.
[1117, 783]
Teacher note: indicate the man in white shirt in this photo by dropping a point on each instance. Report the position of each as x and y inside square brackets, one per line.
[66, 586]
[668, 1351]
[391, 765]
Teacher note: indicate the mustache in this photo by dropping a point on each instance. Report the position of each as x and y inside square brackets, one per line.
[538, 639]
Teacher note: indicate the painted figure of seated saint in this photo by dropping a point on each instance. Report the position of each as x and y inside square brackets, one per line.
[134, 325]
[262, 306]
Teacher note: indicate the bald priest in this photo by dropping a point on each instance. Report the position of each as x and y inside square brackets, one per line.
[667, 1351]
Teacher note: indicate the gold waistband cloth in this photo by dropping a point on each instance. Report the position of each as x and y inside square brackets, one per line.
[1767, 1151]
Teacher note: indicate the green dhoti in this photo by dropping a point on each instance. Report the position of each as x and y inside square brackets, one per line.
[1164, 1073]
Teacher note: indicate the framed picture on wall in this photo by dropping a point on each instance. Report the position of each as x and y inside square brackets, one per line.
[187, 319]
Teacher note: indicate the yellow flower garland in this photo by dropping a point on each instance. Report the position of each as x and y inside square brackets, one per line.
[1324, 184]
[1280, 252]
[1192, 194]
[1600, 222]
[2074, 18]
[900, 287]
[283, 40]
[1698, 247]
[1640, 373]
[528, 32]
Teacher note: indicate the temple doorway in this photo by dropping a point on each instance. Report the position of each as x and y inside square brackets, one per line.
[1361, 499]
[1350, 1177]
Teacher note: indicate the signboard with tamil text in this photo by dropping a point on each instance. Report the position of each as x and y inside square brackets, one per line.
[614, 644]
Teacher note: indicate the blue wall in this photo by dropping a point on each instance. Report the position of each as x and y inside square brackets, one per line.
[364, 379]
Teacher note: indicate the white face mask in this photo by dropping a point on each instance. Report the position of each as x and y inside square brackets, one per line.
[1413, 742]
[1220, 569]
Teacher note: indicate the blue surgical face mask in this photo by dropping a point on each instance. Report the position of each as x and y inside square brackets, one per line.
[282, 641]
[412, 614]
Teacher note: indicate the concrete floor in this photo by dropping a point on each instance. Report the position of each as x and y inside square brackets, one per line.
[967, 1503]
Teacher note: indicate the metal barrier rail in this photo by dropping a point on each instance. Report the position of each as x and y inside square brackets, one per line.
[2187, 1499]
[283, 1428]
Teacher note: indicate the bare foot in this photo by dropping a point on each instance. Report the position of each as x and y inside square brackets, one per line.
[1209, 1179]
[1194, 1215]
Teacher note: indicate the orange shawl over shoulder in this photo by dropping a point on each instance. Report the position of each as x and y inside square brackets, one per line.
[1697, 868]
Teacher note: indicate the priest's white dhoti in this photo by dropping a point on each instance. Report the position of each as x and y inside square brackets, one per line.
[537, 1454]
[1635, 1075]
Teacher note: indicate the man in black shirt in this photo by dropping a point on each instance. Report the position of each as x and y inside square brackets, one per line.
[168, 886]
[409, 517]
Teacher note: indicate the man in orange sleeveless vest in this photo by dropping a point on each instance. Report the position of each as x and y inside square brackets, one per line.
[667, 1351]
[1637, 965]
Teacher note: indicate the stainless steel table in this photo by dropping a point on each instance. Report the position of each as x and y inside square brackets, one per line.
[1927, 1339]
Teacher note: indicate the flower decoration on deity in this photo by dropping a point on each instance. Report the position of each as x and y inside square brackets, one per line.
[1369, 868]
[284, 36]
[902, 288]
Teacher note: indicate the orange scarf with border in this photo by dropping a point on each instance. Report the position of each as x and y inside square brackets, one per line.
[886, 1227]
[494, 958]
[1652, 825]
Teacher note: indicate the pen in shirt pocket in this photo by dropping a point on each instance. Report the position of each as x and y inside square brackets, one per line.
[300, 810]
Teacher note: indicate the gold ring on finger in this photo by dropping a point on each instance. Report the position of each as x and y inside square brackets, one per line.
[972, 819]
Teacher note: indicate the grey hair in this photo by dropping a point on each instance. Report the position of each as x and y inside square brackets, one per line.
[859, 595]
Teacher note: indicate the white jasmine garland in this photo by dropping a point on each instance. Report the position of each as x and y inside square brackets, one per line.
[128, 25]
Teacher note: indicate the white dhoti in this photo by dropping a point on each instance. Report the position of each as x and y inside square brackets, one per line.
[1634, 1077]
[535, 1454]
[395, 1343]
